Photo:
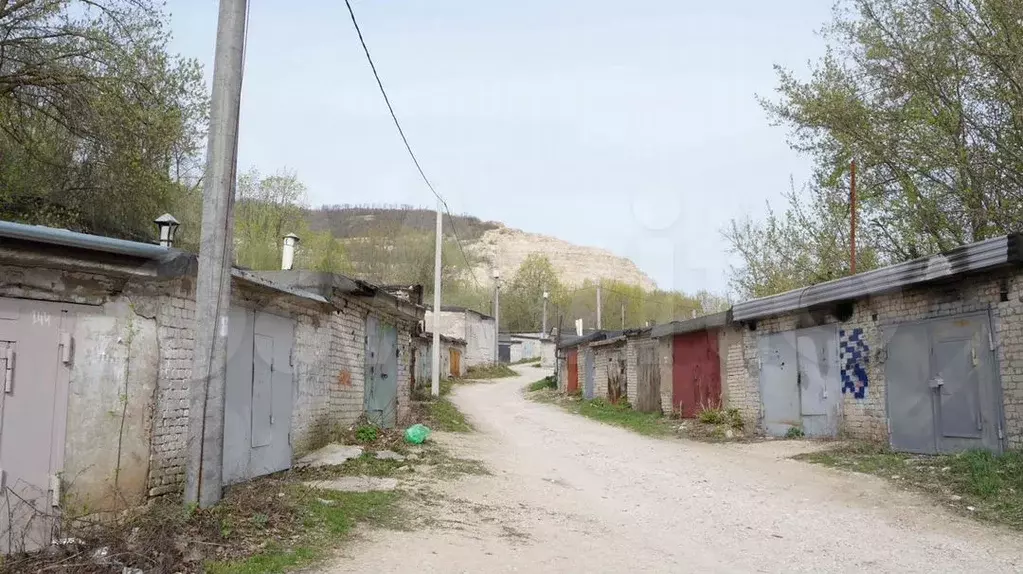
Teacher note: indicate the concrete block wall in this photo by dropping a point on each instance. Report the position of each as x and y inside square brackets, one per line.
[479, 340]
[866, 417]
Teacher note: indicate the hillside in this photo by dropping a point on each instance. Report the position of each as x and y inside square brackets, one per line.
[487, 243]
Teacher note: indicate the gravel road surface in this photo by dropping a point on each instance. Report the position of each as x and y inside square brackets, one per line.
[568, 494]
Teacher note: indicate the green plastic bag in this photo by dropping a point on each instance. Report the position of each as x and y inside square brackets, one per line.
[416, 434]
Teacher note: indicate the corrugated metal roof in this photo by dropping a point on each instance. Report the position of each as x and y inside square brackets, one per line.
[981, 256]
[703, 323]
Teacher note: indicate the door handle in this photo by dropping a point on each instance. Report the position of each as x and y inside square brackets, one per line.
[936, 383]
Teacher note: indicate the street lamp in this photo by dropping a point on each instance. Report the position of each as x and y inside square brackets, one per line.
[543, 334]
[497, 315]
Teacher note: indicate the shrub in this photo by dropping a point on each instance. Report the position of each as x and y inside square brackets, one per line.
[794, 432]
[366, 433]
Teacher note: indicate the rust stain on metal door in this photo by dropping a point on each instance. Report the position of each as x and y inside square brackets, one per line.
[695, 373]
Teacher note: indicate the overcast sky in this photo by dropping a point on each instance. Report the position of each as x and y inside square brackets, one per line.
[631, 126]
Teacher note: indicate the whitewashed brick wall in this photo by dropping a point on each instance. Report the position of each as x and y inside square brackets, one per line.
[665, 354]
[631, 368]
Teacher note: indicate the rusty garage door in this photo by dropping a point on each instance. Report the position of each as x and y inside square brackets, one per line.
[943, 390]
[35, 367]
[800, 382]
[259, 397]
[695, 373]
[572, 360]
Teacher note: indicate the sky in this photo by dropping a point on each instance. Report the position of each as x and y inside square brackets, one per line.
[630, 126]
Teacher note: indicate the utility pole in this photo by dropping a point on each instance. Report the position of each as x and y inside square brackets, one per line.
[543, 333]
[435, 369]
[623, 315]
[600, 323]
[205, 455]
[497, 316]
[852, 210]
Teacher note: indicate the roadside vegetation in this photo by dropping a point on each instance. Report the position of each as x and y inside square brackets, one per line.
[439, 413]
[491, 371]
[546, 383]
[273, 524]
[977, 483]
[528, 361]
[713, 425]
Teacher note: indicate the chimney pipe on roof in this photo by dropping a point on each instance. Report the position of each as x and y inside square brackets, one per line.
[288, 254]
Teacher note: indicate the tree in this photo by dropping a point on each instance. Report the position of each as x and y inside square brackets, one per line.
[522, 300]
[100, 128]
[806, 244]
[926, 96]
[267, 208]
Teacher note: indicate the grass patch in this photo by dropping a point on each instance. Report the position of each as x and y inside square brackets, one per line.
[977, 483]
[527, 361]
[268, 525]
[548, 382]
[324, 516]
[439, 413]
[492, 371]
[621, 415]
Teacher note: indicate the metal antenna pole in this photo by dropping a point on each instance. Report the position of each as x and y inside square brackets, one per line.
[205, 454]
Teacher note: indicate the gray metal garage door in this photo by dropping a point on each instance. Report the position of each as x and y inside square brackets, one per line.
[943, 391]
[800, 381]
[259, 399]
[381, 391]
[35, 367]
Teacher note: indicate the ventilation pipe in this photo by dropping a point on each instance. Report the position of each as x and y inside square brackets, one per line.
[167, 227]
[288, 255]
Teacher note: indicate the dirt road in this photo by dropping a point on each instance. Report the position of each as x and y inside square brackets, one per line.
[571, 495]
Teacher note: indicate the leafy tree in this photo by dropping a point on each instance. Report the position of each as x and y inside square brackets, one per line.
[100, 128]
[522, 299]
[926, 96]
[266, 209]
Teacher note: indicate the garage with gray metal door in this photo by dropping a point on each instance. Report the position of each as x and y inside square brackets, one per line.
[259, 397]
[35, 368]
[943, 391]
[381, 393]
[800, 381]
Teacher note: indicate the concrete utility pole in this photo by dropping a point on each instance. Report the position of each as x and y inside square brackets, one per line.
[600, 323]
[497, 316]
[435, 369]
[205, 458]
[543, 333]
[623, 315]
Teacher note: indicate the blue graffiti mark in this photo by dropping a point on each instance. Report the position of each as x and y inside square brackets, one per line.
[854, 355]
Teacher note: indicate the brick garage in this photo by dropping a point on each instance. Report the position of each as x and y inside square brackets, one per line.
[949, 302]
[134, 308]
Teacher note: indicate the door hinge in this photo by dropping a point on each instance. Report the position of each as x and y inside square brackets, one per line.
[54, 490]
[8, 372]
[291, 357]
[65, 347]
[1001, 434]
[990, 341]
[3, 479]
[888, 423]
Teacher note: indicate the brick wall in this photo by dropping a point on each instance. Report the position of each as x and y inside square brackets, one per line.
[665, 354]
[631, 368]
[867, 417]
[601, 358]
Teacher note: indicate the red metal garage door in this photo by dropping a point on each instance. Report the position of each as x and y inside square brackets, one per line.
[696, 373]
[573, 371]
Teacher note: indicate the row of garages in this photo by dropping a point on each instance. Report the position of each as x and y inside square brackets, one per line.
[925, 355]
[97, 338]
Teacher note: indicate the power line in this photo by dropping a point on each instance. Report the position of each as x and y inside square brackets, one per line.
[404, 139]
